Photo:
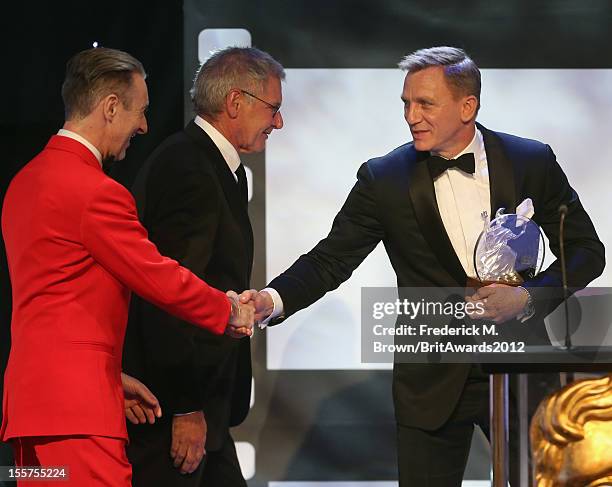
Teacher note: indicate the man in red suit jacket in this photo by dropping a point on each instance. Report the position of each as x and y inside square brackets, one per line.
[75, 249]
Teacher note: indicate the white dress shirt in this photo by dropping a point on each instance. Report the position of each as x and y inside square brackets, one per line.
[463, 199]
[228, 151]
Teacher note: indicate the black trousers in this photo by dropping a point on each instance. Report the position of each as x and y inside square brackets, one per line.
[438, 458]
[149, 454]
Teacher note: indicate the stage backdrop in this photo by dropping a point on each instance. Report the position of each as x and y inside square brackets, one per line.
[319, 416]
[318, 413]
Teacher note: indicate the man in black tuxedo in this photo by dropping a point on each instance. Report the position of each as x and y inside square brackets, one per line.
[427, 206]
[192, 198]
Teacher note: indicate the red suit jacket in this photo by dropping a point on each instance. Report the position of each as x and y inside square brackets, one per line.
[75, 249]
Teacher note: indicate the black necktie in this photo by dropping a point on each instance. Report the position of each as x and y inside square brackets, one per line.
[437, 165]
[242, 183]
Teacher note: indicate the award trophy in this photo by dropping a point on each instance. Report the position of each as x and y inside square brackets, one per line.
[509, 251]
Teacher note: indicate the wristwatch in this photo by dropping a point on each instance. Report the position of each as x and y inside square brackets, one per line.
[529, 309]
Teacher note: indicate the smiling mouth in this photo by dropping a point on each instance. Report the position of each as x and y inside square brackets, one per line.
[129, 141]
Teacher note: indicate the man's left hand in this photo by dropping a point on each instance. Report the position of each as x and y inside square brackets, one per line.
[188, 440]
[500, 302]
[141, 406]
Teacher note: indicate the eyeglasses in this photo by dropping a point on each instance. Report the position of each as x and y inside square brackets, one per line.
[275, 108]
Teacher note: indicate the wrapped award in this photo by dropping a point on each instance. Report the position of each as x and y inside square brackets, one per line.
[509, 250]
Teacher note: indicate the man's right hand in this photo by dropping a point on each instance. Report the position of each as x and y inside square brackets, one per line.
[188, 439]
[242, 317]
[263, 302]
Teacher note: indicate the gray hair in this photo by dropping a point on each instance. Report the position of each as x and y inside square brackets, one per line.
[95, 73]
[234, 67]
[461, 73]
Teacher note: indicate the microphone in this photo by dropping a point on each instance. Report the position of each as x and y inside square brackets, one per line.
[563, 213]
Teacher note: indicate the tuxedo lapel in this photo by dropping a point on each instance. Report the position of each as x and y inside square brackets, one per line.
[234, 192]
[423, 197]
[501, 174]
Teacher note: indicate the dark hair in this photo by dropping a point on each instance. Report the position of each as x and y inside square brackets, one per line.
[95, 73]
[461, 73]
[233, 67]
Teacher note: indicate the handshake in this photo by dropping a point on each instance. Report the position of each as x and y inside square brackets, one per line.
[248, 308]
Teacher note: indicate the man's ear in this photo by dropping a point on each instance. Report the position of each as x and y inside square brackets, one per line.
[233, 100]
[469, 108]
[110, 106]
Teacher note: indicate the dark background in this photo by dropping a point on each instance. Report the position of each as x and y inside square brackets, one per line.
[37, 38]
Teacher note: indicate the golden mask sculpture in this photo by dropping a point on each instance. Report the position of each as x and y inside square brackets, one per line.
[571, 436]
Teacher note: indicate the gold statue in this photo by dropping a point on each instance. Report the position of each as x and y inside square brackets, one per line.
[571, 436]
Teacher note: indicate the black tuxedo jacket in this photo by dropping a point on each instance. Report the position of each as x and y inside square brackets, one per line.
[394, 201]
[196, 213]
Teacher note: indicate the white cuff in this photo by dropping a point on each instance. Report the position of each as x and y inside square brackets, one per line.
[278, 306]
[185, 414]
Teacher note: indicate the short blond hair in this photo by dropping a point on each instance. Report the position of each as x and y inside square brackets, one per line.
[95, 73]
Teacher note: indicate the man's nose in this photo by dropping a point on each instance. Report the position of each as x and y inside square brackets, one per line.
[278, 120]
[144, 127]
[412, 114]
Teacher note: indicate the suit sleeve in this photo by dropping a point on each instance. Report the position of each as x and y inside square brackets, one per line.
[182, 216]
[110, 230]
[584, 252]
[355, 232]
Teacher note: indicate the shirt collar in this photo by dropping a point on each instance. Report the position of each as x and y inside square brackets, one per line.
[228, 151]
[82, 140]
[475, 146]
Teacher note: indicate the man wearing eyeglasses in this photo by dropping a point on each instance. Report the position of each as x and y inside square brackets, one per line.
[192, 198]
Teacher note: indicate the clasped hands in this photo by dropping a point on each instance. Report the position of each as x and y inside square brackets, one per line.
[248, 308]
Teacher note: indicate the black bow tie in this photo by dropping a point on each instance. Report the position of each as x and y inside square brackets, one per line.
[437, 165]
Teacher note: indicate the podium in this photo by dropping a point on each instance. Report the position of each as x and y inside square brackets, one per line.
[554, 360]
